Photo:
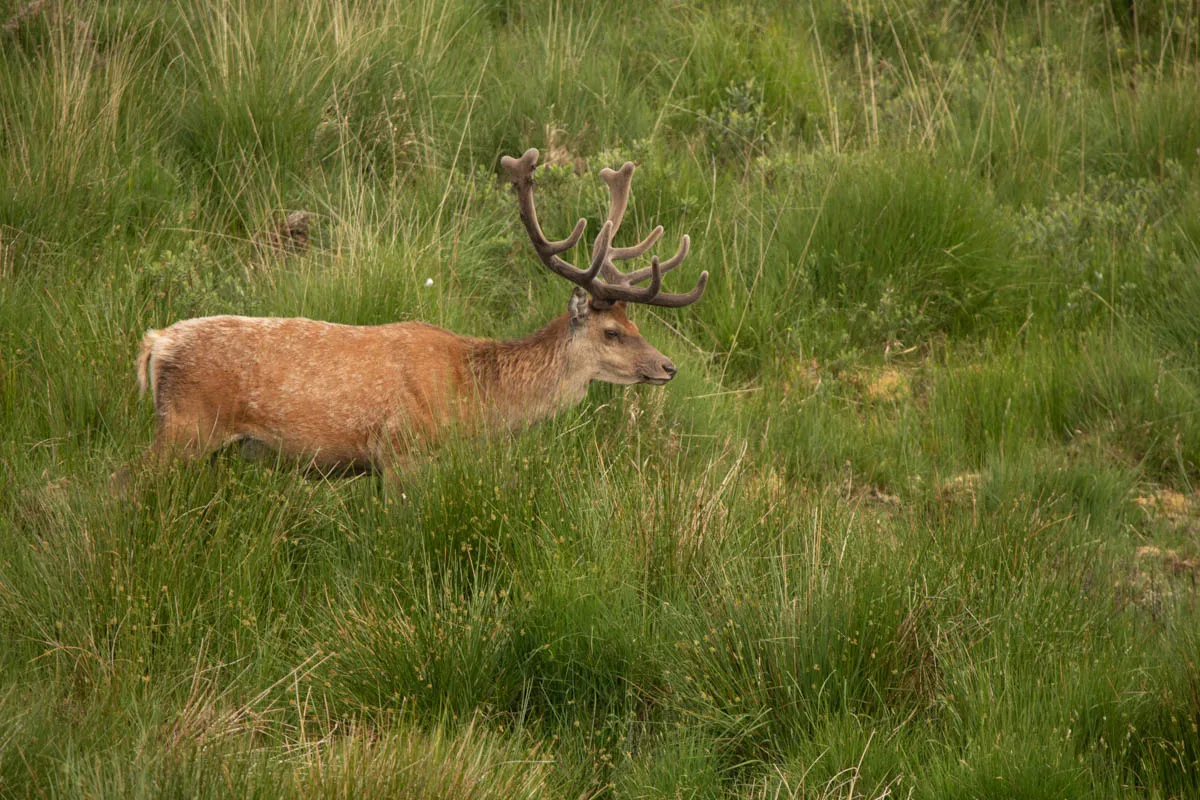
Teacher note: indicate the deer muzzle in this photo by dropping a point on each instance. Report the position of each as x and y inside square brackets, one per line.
[658, 372]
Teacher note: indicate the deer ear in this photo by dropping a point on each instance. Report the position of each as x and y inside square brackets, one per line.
[578, 307]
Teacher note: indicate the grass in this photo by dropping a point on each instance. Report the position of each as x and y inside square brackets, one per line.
[918, 518]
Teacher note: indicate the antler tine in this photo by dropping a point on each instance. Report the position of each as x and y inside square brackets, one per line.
[619, 184]
[614, 275]
[601, 249]
[609, 293]
[520, 172]
[563, 245]
[619, 181]
[650, 295]
[633, 251]
[639, 275]
[680, 300]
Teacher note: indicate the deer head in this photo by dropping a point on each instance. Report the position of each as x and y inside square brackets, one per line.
[602, 336]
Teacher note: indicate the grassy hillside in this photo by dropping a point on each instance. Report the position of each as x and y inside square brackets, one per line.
[918, 517]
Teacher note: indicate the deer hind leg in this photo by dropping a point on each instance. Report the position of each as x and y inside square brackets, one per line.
[176, 437]
[188, 437]
[191, 421]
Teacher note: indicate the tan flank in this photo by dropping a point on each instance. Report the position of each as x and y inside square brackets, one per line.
[344, 396]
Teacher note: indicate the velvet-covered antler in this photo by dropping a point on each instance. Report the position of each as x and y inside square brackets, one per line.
[616, 286]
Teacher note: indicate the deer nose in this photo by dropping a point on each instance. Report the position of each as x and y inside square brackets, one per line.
[669, 368]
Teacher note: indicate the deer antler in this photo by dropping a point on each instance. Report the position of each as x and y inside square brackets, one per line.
[616, 286]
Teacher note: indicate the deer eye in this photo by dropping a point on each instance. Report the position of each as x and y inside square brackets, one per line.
[612, 333]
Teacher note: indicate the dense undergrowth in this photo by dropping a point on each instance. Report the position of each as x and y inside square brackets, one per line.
[917, 518]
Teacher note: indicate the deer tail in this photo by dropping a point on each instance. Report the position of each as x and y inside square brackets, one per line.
[145, 375]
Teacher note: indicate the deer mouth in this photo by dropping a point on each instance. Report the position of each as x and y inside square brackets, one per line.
[659, 381]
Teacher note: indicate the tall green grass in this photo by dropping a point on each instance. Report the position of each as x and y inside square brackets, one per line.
[917, 518]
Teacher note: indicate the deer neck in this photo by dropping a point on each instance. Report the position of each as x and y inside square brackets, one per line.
[525, 380]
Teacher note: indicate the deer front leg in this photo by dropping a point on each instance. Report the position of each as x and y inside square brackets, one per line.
[396, 457]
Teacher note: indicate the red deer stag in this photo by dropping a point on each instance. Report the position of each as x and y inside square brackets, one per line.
[352, 397]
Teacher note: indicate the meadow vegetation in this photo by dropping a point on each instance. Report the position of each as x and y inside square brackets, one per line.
[917, 519]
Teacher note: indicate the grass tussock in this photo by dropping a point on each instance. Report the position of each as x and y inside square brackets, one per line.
[918, 518]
